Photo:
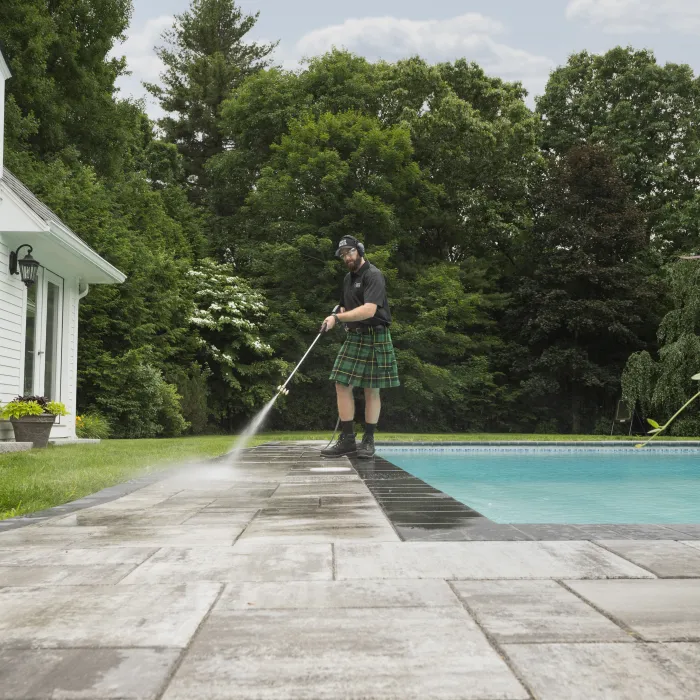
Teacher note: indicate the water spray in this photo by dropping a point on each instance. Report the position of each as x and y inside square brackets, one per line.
[282, 390]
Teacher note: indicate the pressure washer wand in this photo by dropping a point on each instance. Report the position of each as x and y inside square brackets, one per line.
[282, 389]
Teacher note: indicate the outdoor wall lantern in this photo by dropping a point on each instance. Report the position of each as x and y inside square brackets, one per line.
[27, 266]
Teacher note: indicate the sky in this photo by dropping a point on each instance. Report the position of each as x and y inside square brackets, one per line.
[514, 39]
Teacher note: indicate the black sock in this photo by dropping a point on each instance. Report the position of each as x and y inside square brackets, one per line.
[370, 428]
[347, 427]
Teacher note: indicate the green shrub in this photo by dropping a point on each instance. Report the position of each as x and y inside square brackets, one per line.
[142, 404]
[194, 392]
[686, 427]
[170, 417]
[92, 426]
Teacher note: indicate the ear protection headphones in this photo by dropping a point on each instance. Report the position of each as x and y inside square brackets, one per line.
[351, 241]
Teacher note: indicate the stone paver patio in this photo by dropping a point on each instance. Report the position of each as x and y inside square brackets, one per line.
[280, 578]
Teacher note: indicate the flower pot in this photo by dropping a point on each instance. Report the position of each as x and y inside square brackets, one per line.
[34, 429]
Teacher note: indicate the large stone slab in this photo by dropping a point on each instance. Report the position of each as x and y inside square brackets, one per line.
[663, 558]
[237, 487]
[48, 536]
[659, 610]
[293, 501]
[228, 564]
[127, 519]
[103, 616]
[535, 611]
[467, 531]
[266, 534]
[383, 653]
[610, 671]
[185, 535]
[320, 488]
[321, 478]
[352, 500]
[48, 556]
[323, 518]
[687, 531]
[34, 566]
[84, 674]
[62, 576]
[337, 594]
[115, 536]
[222, 517]
[481, 560]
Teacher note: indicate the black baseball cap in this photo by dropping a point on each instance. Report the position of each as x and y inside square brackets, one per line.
[346, 242]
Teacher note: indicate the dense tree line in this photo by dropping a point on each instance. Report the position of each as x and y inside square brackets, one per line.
[529, 254]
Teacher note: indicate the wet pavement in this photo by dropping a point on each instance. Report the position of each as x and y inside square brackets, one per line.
[286, 576]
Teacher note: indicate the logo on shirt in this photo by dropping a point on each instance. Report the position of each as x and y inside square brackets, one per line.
[358, 285]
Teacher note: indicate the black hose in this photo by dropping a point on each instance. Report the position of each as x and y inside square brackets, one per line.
[337, 423]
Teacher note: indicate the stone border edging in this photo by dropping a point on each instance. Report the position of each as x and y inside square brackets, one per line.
[534, 443]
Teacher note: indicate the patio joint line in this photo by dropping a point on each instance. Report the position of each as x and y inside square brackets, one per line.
[494, 644]
[627, 559]
[176, 666]
[150, 556]
[623, 626]
[685, 535]
[245, 527]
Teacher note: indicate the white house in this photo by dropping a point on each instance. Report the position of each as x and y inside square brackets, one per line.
[39, 322]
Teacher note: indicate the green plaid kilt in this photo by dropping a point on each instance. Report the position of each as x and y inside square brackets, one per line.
[366, 360]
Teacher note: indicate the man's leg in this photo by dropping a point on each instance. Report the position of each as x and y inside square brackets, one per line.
[346, 402]
[346, 411]
[373, 407]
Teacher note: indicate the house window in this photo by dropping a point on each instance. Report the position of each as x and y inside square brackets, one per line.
[51, 354]
[43, 334]
[30, 340]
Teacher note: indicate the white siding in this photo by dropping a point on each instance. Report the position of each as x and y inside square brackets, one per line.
[11, 334]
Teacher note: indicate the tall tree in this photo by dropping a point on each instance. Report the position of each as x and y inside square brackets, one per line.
[338, 147]
[62, 91]
[206, 57]
[646, 115]
[660, 388]
[583, 302]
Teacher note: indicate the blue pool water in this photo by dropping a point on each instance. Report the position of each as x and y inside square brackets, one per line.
[567, 486]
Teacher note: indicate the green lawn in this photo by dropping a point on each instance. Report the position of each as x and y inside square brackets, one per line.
[38, 479]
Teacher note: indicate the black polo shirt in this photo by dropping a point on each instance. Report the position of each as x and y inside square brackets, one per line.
[366, 286]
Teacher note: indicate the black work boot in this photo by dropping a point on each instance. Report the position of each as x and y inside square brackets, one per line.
[366, 448]
[344, 446]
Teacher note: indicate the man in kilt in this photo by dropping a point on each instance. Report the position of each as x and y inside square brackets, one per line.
[366, 358]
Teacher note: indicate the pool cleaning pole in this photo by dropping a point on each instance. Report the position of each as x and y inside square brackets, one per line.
[282, 389]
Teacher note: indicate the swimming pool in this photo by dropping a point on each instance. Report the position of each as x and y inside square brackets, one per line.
[563, 485]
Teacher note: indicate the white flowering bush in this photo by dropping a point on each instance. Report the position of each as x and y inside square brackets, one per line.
[230, 316]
